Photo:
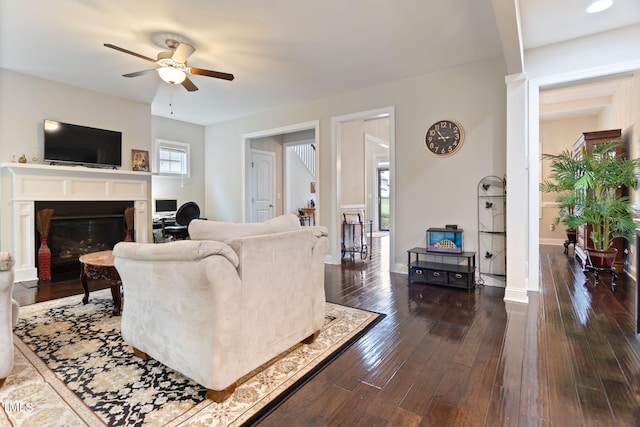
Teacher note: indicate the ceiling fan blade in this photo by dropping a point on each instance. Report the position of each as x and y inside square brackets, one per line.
[129, 52]
[139, 73]
[182, 53]
[188, 85]
[209, 73]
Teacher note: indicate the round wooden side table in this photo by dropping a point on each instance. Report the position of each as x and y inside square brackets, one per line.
[99, 265]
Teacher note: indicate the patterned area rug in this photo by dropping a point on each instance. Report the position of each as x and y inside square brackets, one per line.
[72, 368]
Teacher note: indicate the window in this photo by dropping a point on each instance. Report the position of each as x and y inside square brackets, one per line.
[173, 158]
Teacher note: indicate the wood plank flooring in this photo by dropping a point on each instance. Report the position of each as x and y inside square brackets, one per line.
[448, 357]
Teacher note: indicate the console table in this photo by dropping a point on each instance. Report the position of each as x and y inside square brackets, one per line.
[99, 265]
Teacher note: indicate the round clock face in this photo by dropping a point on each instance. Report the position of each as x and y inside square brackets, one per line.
[444, 138]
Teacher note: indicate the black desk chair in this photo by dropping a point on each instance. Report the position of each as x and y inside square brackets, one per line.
[185, 214]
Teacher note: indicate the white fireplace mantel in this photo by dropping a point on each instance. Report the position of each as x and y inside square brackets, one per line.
[24, 184]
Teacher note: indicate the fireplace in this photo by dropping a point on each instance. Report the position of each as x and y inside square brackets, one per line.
[78, 228]
[25, 184]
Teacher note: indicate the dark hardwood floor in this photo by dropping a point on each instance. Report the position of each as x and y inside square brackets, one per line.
[448, 357]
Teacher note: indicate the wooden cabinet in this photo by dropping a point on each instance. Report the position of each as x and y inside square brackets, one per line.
[588, 140]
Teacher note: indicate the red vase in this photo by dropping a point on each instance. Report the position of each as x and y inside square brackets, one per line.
[127, 236]
[44, 260]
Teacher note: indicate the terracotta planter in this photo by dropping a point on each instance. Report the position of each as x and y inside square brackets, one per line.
[602, 259]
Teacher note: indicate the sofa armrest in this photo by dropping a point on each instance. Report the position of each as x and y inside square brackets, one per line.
[182, 302]
[182, 250]
[280, 292]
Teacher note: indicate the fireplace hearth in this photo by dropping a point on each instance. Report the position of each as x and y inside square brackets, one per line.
[78, 228]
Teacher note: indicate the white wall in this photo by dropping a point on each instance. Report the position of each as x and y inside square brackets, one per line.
[299, 181]
[430, 191]
[180, 188]
[597, 55]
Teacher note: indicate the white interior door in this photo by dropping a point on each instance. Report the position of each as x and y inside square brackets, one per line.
[263, 185]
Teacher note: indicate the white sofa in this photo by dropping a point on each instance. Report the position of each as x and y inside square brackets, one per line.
[9, 309]
[225, 302]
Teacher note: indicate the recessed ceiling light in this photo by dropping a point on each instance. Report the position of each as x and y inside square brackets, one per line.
[599, 5]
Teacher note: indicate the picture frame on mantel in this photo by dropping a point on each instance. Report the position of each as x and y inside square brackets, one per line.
[140, 160]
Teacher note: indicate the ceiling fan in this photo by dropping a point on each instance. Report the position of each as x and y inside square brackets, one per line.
[172, 65]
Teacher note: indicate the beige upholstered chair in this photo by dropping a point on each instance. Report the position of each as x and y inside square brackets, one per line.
[220, 305]
[8, 315]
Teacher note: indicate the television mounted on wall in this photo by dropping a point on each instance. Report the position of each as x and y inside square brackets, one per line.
[70, 144]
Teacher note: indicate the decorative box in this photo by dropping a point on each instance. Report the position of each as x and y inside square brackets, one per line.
[448, 240]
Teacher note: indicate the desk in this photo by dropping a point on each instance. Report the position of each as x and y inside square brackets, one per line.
[99, 265]
[161, 222]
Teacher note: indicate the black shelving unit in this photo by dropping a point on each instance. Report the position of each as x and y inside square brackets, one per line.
[492, 228]
[440, 268]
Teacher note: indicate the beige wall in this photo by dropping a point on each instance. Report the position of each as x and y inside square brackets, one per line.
[556, 136]
[26, 101]
[352, 167]
[183, 189]
[429, 191]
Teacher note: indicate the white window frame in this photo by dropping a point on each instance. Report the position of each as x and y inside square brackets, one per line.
[182, 146]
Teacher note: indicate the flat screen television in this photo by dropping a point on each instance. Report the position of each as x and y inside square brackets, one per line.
[65, 143]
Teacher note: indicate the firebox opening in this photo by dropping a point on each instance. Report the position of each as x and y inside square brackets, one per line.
[78, 228]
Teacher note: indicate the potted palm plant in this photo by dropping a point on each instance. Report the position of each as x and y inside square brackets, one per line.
[565, 169]
[603, 174]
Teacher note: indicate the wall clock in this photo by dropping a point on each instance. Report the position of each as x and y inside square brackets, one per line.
[444, 138]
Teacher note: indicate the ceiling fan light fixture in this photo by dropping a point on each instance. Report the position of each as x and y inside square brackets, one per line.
[172, 75]
[596, 6]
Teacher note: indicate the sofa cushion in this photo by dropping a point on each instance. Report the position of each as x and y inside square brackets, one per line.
[227, 232]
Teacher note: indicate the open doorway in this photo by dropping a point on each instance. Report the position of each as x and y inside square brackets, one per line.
[536, 88]
[566, 111]
[291, 189]
[383, 199]
[362, 143]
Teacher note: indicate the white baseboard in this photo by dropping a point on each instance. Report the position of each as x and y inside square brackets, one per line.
[548, 241]
[489, 280]
[516, 295]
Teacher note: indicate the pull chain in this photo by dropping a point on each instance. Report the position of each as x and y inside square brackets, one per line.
[171, 99]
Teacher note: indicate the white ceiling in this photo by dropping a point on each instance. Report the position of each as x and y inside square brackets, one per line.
[281, 52]
[589, 98]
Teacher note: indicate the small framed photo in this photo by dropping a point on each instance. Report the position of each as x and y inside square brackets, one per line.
[140, 160]
[313, 187]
